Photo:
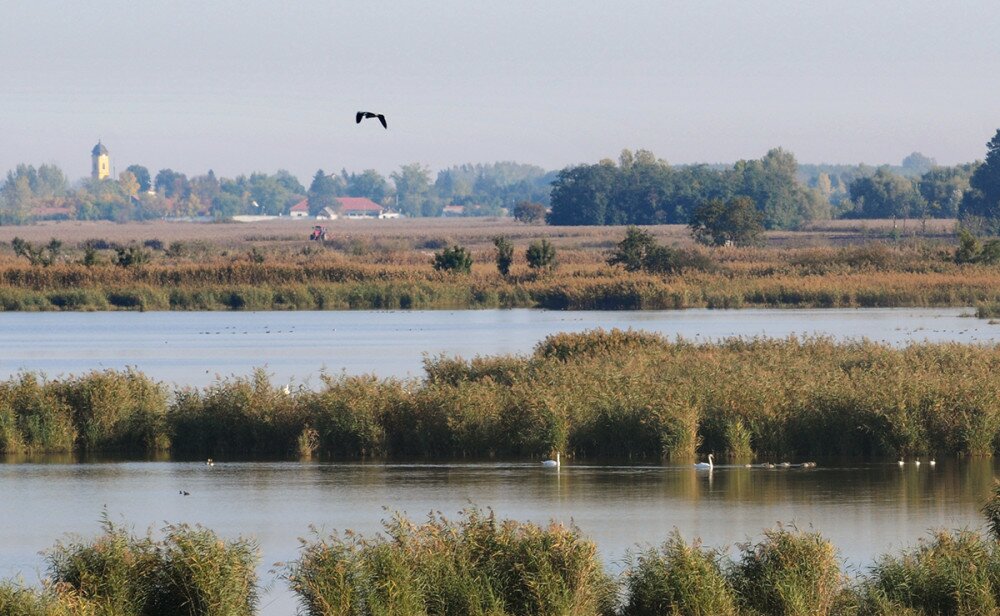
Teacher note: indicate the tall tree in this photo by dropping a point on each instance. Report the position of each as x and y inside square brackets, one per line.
[885, 195]
[413, 184]
[141, 175]
[736, 221]
[942, 189]
[981, 203]
[172, 184]
[368, 183]
[323, 192]
[581, 195]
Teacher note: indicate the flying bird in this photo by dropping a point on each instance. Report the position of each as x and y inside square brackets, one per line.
[361, 115]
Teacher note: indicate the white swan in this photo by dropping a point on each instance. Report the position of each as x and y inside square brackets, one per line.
[901, 463]
[932, 462]
[917, 462]
[552, 463]
[706, 465]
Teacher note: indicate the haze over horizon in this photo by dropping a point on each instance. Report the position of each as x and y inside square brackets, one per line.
[253, 86]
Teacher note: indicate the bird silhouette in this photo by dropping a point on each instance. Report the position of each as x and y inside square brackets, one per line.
[362, 115]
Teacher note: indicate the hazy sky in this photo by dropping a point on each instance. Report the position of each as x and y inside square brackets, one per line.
[259, 85]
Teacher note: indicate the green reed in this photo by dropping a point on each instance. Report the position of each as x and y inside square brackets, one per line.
[617, 394]
[477, 565]
[481, 565]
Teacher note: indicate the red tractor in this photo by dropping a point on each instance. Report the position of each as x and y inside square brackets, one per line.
[318, 234]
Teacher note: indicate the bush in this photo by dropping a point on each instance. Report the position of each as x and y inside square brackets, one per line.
[130, 256]
[678, 579]
[541, 255]
[526, 211]
[191, 572]
[789, 572]
[453, 259]
[476, 566]
[953, 573]
[719, 223]
[505, 254]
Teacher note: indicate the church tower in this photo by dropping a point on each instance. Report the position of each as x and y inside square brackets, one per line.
[100, 162]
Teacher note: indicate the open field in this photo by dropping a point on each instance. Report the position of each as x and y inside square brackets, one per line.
[473, 232]
[388, 264]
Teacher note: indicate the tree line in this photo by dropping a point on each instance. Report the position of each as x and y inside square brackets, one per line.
[638, 189]
[29, 192]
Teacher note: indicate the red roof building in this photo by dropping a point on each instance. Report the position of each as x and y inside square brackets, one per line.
[359, 207]
[300, 209]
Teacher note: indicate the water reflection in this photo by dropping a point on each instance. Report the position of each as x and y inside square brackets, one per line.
[865, 509]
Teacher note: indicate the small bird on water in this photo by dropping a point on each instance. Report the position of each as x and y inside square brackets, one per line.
[362, 115]
[184, 493]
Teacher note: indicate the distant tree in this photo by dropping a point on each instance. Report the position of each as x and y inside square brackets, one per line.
[981, 203]
[505, 254]
[289, 182]
[412, 190]
[128, 183]
[141, 175]
[885, 195]
[634, 250]
[526, 211]
[720, 222]
[581, 195]
[772, 184]
[918, 164]
[206, 187]
[270, 194]
[323, 193]
[226, 205]
[968, 247]
[942, 189]
[171, 184]
[369, 183]
[970, 250]
[453, 259]
[640, 251]
[541, 254]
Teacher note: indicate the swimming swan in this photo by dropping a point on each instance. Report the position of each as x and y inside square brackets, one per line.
[552, 463]
[705, 465]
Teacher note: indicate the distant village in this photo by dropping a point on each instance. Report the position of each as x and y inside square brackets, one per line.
[42, 193]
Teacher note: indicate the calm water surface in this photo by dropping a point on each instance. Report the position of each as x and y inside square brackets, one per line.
[864, 509]
[195, 348]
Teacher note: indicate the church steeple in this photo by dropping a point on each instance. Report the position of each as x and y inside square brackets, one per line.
[100, 167]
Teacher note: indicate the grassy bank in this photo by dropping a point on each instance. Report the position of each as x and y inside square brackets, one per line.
[391, 267]
[618, 394]
[478, 565]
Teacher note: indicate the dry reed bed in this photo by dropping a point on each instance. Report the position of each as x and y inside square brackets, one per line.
[202, 278]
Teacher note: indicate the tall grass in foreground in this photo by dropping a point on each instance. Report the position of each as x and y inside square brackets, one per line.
[479, 565]
[190, 572]
[476, 566]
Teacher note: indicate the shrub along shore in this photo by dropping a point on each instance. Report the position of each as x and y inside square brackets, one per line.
[481, 566]
[628, 395]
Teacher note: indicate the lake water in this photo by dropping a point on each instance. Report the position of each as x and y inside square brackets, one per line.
[864, 509]
[195, 348]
